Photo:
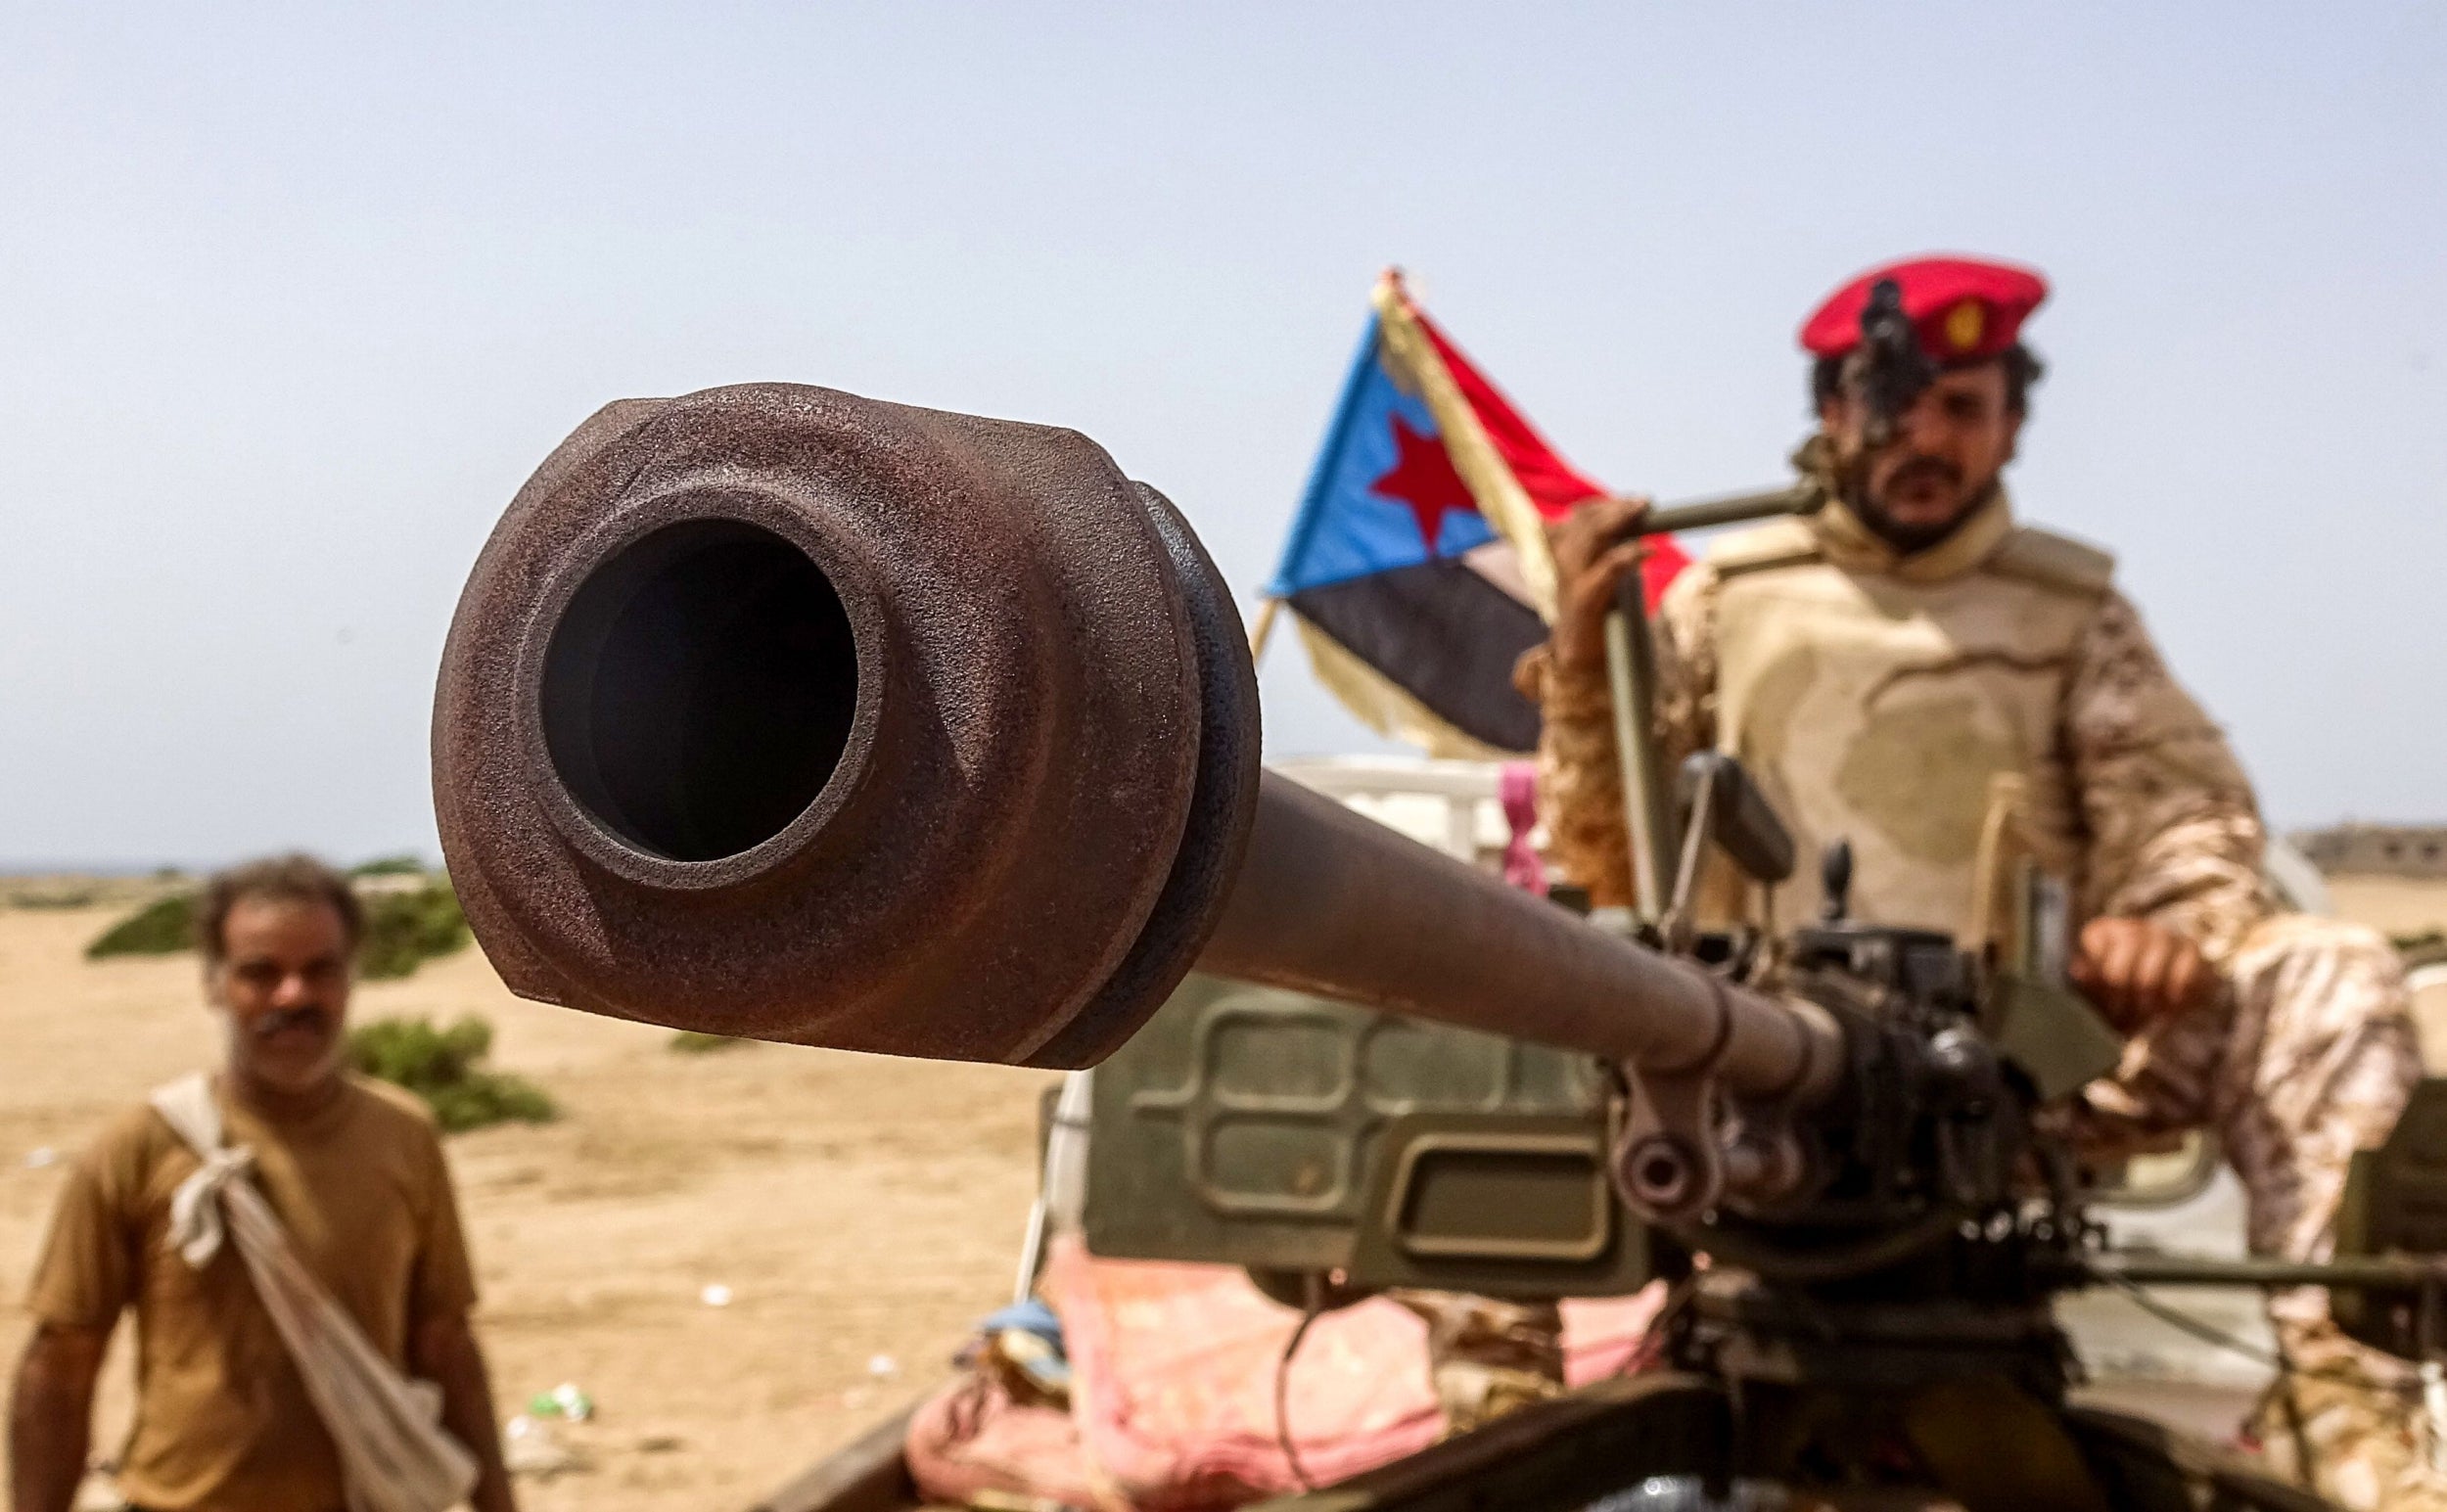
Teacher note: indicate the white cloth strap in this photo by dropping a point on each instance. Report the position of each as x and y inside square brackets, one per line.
[394, 1454]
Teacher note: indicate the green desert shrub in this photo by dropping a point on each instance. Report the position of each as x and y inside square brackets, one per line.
[445, 1067]
[74, 897]
[162, 927]
[390, 866]
[405, 928]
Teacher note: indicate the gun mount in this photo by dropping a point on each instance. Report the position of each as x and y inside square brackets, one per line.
[774, 711]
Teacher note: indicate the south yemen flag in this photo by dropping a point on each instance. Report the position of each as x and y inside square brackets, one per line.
[1418, 565]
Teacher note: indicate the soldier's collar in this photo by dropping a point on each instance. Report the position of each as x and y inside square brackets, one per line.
[1854, 547]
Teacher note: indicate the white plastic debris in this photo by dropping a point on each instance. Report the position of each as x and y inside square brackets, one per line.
[882, 1365]
[527, 1447]
[716, 1296]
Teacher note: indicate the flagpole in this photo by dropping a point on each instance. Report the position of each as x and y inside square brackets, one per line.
[1263, 629]
[1483, 473]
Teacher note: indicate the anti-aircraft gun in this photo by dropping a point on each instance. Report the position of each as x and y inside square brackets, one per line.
[770, 710]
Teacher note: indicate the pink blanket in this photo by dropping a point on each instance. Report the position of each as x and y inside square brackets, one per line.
[1172, 1371]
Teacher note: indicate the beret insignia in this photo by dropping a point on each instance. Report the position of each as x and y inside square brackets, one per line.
[1963, 324]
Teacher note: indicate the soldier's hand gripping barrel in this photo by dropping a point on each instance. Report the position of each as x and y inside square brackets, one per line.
[776, 712]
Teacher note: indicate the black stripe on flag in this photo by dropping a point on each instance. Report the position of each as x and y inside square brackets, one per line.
[1445, 635]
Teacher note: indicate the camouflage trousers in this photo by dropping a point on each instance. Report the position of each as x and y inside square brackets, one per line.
[2357, 1418]
[2310, 1059]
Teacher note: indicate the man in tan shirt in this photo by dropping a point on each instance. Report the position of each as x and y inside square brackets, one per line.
[355, 1175]
[1880, 664]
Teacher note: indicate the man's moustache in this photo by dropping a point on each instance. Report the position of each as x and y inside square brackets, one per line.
[1936, 467]
[287, 1018]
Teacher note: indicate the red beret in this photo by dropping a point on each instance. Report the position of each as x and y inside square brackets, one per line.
[1963, 309]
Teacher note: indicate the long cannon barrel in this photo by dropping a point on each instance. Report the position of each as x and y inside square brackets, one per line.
[776, 712]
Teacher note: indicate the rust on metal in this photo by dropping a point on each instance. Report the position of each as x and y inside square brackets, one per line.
[772, 711]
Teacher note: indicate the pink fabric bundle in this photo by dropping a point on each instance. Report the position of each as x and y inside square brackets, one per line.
[1517, 787]
[1173, 1372]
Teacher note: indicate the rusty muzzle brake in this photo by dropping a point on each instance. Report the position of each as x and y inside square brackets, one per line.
[774, 710]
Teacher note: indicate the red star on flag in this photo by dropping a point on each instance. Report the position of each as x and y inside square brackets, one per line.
[1422, 479]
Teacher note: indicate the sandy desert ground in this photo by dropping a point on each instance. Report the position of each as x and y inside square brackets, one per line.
[859, 1209]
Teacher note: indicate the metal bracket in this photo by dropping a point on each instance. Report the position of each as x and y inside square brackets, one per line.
[1681, 1150]
[1676, 924]
[1764, 1163]
[1667, 1161]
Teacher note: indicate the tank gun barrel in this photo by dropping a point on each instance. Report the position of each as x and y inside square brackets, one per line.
[772, 710]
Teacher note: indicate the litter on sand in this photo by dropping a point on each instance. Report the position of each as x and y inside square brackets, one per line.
[527, 1447]
[564, 1401]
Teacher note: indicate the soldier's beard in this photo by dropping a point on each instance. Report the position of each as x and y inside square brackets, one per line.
[1912, 537]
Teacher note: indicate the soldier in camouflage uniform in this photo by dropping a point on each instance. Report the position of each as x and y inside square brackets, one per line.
[1879, 664]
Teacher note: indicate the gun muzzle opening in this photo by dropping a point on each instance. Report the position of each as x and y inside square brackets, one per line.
[699, 689]
[774, 710]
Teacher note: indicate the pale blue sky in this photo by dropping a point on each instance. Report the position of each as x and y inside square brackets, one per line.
[293, 298]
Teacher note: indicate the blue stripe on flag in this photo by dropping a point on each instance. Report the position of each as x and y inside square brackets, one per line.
[1345, 529]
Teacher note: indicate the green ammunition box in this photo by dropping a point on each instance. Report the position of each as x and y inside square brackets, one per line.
[1299, 1136]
